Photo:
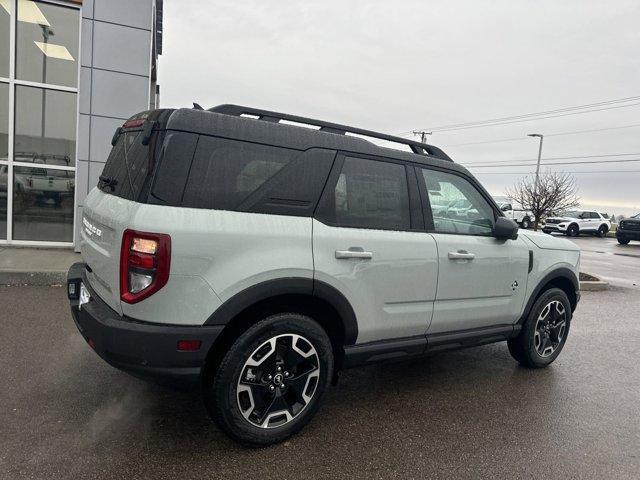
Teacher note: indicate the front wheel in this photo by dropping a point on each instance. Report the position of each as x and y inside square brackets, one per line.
[623, 241]
[526, 223]
[269, 384]
[544, 332]
[573, 230]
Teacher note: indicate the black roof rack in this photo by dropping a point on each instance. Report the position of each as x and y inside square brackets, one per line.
[276, 117]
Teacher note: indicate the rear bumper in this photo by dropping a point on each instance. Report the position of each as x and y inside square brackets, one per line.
[143, 349]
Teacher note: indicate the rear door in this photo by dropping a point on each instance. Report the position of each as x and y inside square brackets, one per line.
[369, 243]
[481, 280]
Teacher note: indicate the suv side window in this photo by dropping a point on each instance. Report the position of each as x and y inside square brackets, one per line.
[225, 172]
[595, 215]
[456, 205]
[369, 194]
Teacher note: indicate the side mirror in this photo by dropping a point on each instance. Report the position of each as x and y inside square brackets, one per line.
[505, 229]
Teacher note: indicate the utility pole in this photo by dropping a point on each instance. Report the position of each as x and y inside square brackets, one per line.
[541, 137]
[423, 135]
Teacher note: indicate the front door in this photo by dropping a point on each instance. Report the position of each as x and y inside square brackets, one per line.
[367, 245]
[481, 279]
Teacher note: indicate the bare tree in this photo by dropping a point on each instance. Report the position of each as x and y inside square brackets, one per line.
[554, 193]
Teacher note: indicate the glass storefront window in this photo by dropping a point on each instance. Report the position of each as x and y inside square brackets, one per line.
[45, 128]
[4, 121]
[47, 43]
[3, 201]
[43, 204]
[6, 7]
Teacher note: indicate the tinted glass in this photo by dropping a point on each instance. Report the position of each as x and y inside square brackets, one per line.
[594, 215]
[456, 205]
[43, 204]
[5, 25]
[225, 172]
[45, 126]
[175, 161]
[47, 43]
[129, 168]
[4, 121]
[3, 201]
[372, 194]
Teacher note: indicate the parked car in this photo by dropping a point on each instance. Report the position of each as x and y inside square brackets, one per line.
[575, 222]
[258, 259]
[523, 217]
[628, 229]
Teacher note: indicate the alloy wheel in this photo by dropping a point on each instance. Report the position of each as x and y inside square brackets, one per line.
[278, 381]
[550, 328]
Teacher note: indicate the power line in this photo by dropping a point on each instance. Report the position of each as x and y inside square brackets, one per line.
[535, 118]
[527, 116]
[575, 132]
[601, 162]
[491, 162]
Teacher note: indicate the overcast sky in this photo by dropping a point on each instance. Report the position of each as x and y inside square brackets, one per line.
[396, 66]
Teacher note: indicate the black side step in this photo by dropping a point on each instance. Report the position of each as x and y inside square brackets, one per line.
[418, 346]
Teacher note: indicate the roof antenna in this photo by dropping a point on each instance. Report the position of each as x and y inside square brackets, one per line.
[197, 107]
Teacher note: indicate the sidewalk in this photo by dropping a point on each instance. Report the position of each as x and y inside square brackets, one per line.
[35, 266]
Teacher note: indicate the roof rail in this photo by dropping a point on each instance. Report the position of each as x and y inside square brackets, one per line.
[275, 117]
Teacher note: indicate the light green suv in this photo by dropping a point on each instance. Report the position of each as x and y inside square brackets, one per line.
[244, 251]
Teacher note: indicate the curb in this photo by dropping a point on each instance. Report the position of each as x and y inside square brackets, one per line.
[37, 279]
[594, 284]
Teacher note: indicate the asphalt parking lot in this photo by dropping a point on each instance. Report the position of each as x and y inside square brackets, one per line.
[467, 414]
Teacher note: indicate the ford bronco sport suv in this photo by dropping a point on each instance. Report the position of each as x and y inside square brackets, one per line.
[257, 254]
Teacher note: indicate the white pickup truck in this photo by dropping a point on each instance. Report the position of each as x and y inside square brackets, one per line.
[523, 217]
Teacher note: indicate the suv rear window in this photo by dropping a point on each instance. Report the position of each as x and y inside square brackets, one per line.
[225, 172]
[129, 168]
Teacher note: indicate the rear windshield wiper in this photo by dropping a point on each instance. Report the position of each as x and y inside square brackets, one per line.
[108, 181]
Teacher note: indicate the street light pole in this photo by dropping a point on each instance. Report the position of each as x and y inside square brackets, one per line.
[541, 137]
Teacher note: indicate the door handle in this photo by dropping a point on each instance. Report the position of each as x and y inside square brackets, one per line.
[461, 255]
[354, 252]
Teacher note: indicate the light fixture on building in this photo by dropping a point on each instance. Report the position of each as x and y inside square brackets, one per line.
[28, 12]
[52, 50]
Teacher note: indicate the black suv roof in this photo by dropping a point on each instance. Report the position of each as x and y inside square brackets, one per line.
[262, 126]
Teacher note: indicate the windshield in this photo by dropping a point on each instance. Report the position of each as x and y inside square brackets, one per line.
[637, 215]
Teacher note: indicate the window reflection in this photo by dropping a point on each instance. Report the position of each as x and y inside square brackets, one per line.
[3, 201]
[45, 130]
[43, 204]
[47, 43]
[5, 24]
[4, 121]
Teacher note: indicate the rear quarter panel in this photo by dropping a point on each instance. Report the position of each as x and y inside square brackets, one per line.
[216, 254]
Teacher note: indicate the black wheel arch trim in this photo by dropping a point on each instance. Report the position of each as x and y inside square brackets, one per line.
[289, 286]
[562, 273]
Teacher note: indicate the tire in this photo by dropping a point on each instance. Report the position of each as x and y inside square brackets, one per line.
[537, 346]
[573, 230]
[235, 403]
[623, 241]
[526, 223]
[602, 231]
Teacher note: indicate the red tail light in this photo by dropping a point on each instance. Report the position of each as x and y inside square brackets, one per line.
[145, 261]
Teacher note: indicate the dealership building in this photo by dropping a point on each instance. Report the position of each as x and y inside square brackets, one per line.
[71, 72]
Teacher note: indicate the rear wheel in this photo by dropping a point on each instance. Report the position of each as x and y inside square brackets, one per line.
[602, 231]
[623, 241]
[269, 384]
[526, 223]
[573, 230]
[544, 332]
